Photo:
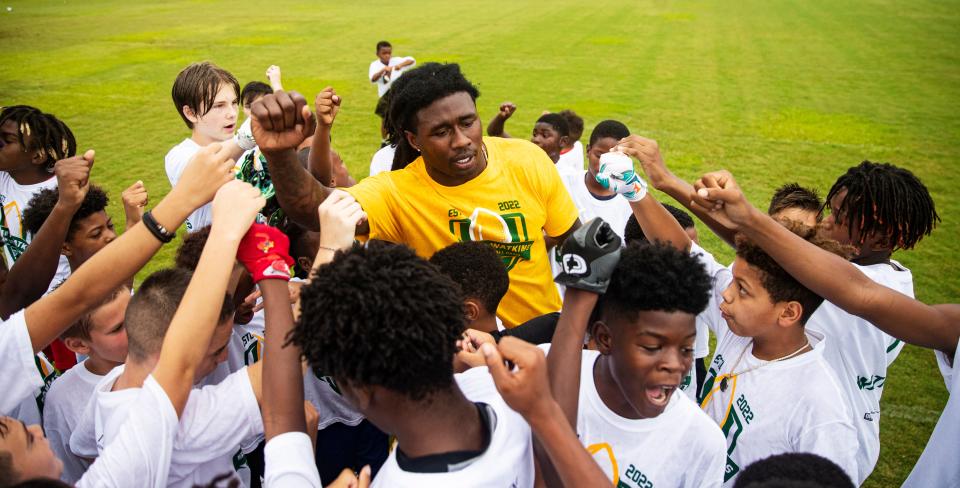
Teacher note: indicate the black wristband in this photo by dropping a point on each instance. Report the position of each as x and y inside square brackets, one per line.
[158, 231]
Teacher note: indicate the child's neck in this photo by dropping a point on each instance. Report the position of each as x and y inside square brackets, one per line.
[134, 374]
[486, 323]
[594, 187]
[201, 139]
[449, 423]
[610, 394]
[781, 343]
[31, 175]
[98, 365]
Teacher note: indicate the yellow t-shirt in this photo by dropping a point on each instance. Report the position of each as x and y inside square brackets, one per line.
[516, 198]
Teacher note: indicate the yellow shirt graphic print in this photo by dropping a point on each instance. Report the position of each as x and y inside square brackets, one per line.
[510, 205]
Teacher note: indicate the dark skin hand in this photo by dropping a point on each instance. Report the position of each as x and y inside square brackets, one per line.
[280, 122]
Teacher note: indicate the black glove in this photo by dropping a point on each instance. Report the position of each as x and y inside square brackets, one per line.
[588, 257]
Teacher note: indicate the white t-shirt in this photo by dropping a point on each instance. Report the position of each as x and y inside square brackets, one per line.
[65, 403]
[796, 405]
[289, 462]
[216, 421]
[860, 354]
[681, 447]
[385, 82]
[330, 404]
[14, 198]
[571, 160]
[938, 465]
[140, 454]
[507, 462]
[175, 162]
[19, 379]
[382, 160]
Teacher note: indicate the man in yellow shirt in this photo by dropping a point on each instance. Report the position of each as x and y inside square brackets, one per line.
[457, 185]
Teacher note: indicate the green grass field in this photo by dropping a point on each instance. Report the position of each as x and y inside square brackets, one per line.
[773, 90]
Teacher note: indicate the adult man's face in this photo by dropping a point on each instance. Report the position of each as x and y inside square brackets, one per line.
[450, 137]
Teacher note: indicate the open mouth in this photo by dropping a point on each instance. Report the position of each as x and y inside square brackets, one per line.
[464, 161]
[229, 128]
[659, 395]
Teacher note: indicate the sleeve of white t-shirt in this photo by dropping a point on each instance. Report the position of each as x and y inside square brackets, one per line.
[289, 462]
[218, 419]
[937, 465]
[834, 440]
[374, 67]
[140, 454]
[19, 378]
[721, 278]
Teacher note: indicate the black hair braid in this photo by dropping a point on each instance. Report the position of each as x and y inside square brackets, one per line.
[885, 200]
[49, 134]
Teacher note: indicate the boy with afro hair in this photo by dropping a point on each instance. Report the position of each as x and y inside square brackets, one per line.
[450, 431]
[622, 398]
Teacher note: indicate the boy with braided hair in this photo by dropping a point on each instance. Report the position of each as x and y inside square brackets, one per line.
[31, 142]
[877, 208]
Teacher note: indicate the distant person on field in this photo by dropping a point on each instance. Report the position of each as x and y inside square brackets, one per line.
[550, 132]
[386, 69]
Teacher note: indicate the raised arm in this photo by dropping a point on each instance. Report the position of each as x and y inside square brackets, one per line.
[617, 174]
[280, 122]
[588, 259]
[320, 163]
[830, 276]
[47, 318]
[647, 151]
[186, 341]
[495, 127]
[526, 390]
[31, 274]
[273, 75]
[264, 252]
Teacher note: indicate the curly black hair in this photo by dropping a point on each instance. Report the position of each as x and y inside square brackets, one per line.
[608, 128]
[792, 195]
[556, 121]
[478, 269]
[781, 286]
[885, 200]
[47, 134]
[633, 233]
[794, 467]
[655, 276]
[188, 254]
[42, 203]
[415, 90]
[380, 315]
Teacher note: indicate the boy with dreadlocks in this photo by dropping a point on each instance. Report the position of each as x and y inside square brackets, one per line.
[877, 208]
[31, 142]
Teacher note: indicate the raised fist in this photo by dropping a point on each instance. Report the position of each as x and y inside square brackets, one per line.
[281, 121]
[588, 257]
[617, 174]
